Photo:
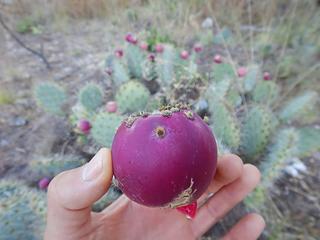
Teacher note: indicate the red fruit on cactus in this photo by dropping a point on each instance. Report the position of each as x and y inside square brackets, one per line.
[266, 76]
[84, 126]
[119, 53]
[152, 57]
[144, 46]
[242, 71]
[44, 183]
[184, 55]
[131, 38]
[111, 106]
[159, 48]
[197, 47]
[217, 58]
[165, 159]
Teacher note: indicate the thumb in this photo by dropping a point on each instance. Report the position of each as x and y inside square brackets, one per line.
[71, 194]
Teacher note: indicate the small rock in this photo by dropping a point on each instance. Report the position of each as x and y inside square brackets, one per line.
[207, 23]
[17, 122]
[4, 143]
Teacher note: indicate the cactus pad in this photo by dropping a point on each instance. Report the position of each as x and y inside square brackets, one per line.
[50, 97]
[255, 132]
[91, 97]
[224, 125]
[135, 58]
[300, 108]
[265, 92]
[104, 127]
[132, 97]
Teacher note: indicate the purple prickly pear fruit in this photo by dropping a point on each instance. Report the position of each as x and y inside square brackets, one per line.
[84, 126]
[159, 48]
[131, 38]
[241, 71]
[44, 183]
[152, 57]
[266, 76]
[217, 58]
[144, 46]
[197, 47]
[165, 159]
[119, 53]
[184, 55]
[111, 106]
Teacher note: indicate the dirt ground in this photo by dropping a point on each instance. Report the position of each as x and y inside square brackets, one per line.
[76, 56]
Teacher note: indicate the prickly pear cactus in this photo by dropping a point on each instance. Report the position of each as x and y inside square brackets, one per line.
[217, 90]
[301, 108]
[119, 73]
[280, 152]
[224, 125]
[22, 212]
[132, 96]
[135, 58]
[222, 71]
[265, 92]
[283, 148]
[91, 97]
[251, 78]
[255, 132]
[50, 97]
[309, 141]
[52, 166]
[104, 127]
[166, 65]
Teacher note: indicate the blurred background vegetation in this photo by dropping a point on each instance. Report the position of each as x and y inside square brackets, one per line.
[66, 43]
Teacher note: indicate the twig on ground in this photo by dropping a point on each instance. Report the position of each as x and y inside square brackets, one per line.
[22, 44]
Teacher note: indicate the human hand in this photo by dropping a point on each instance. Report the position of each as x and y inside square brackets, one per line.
[71, 194]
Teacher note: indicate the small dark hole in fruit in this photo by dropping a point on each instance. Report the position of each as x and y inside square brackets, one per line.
[160, 131]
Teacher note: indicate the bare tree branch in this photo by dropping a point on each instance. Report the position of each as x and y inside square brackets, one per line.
[22, 44]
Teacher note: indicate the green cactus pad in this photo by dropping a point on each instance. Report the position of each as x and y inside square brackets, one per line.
[91, 97]
[135, 58]
[255, 132]
[166, 65]
[309, 141]
[222, 71]
[119, 73]
[50, 97]
[22, 214]
[234, 98]
[52, 166]
[301, 108]
[281, 150]
[132, 97]
[104, 127]
[265, 92]
[224, 125]
[251, 78]
[217, 90]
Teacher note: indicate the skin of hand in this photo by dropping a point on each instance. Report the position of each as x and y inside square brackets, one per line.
[72, 193]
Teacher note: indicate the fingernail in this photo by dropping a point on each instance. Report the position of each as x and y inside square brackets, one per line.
[93, 168]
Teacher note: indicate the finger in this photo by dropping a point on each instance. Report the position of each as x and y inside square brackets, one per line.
[249, 227]
[229, 169]
[225, 199]
[71, 194]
